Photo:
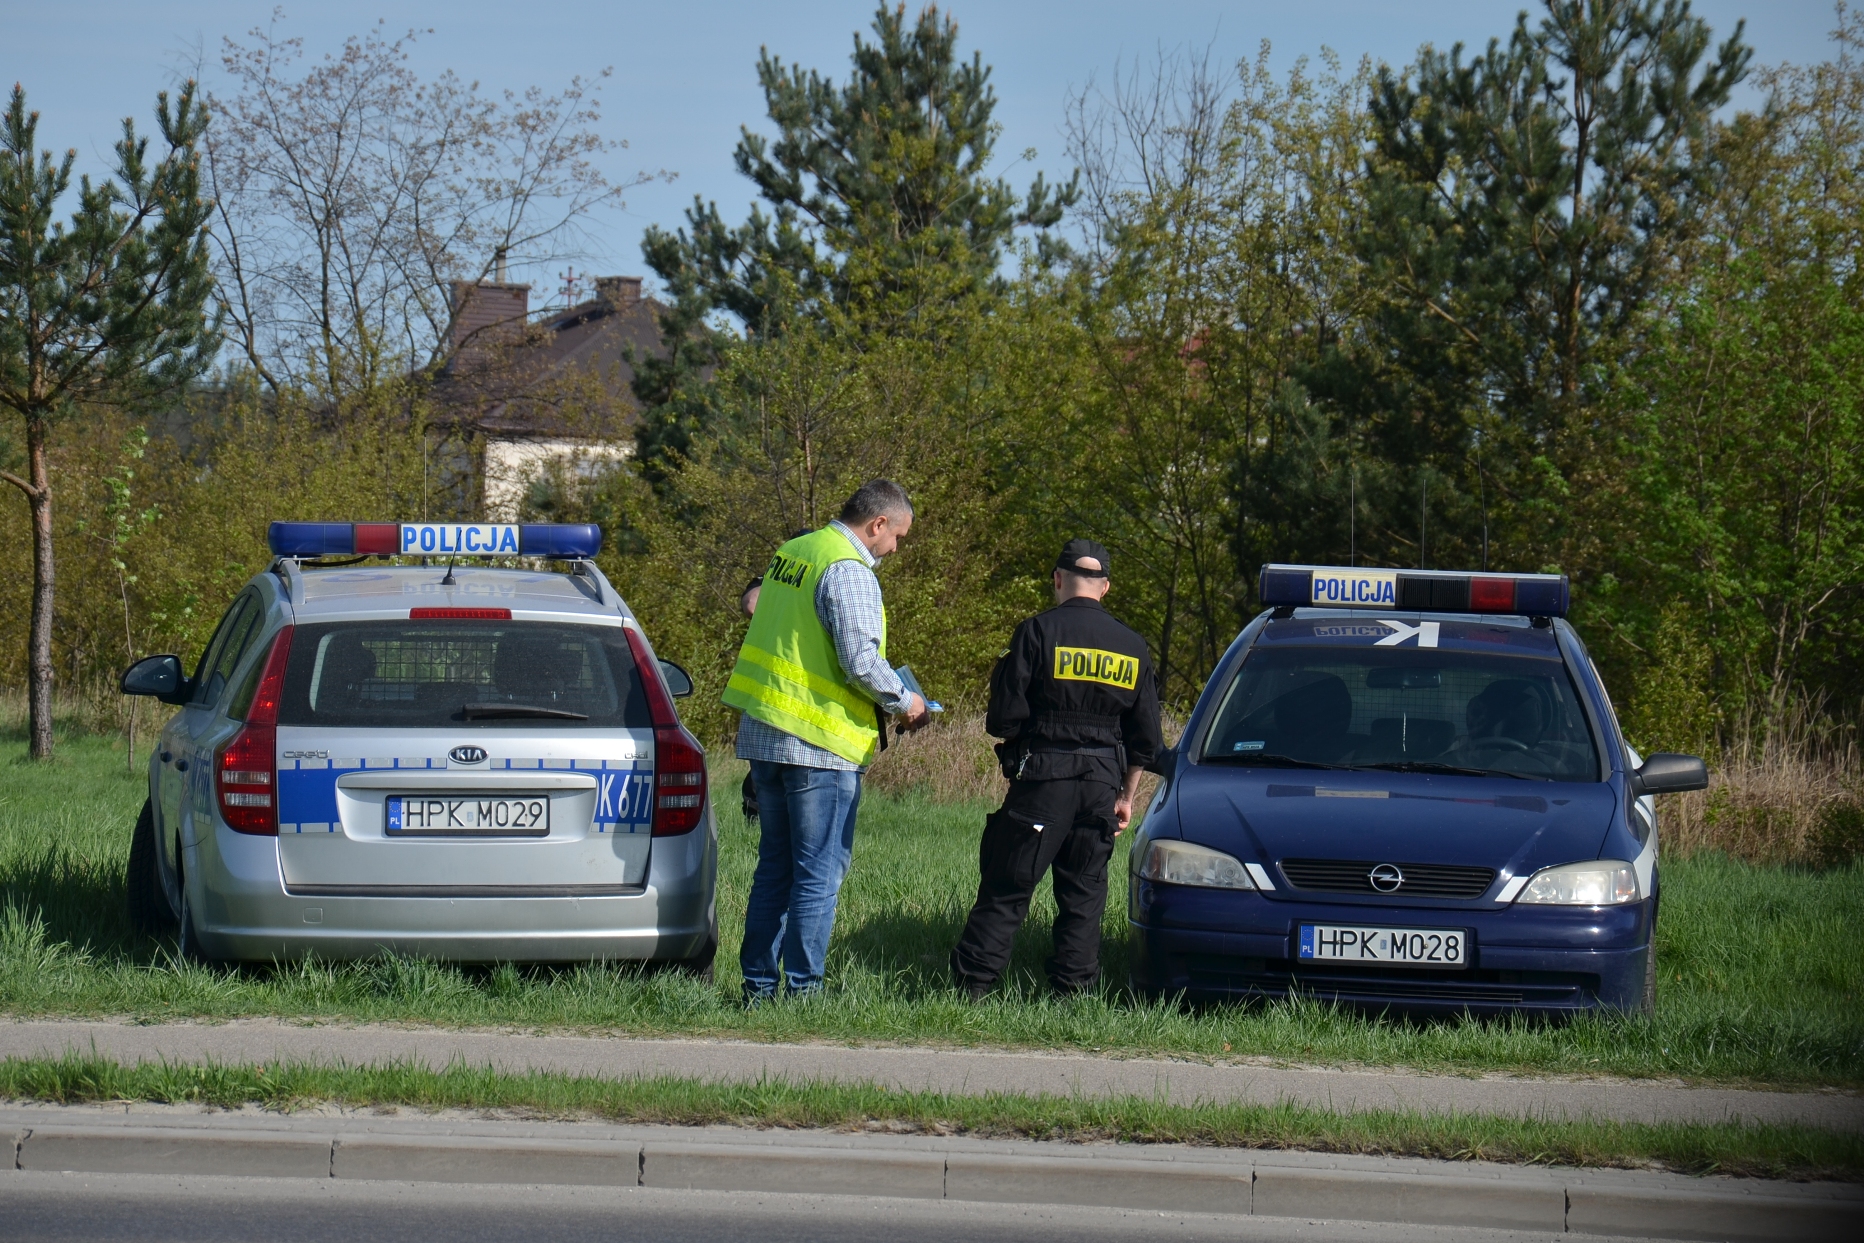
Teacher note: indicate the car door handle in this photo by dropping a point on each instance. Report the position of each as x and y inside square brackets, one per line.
[167, 756]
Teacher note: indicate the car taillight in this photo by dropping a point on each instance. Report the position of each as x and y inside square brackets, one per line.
[246, 768]
[679, 761]
[679, 782]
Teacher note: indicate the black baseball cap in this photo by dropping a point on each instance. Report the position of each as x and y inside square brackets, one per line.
[1075, 550]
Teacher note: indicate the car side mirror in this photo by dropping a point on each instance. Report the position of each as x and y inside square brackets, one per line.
[159, 677]
[1670, 773]
[679, 682]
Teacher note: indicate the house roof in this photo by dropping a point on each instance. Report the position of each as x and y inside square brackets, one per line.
[526, 379]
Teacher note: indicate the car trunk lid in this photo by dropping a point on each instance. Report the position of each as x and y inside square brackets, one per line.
[385, 812]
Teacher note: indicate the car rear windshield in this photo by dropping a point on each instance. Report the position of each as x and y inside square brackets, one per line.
[416, 675]
[1490, 715]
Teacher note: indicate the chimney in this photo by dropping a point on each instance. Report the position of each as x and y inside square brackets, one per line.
[489, 310]
[620, 292]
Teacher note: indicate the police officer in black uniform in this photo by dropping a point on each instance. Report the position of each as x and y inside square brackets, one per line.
[1076, 702]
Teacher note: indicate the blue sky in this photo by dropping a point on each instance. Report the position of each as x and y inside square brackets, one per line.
[685, 73]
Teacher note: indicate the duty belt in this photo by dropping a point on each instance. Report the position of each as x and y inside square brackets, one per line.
[1116, 754]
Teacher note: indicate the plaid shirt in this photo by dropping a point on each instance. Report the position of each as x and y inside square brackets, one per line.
[848, 604]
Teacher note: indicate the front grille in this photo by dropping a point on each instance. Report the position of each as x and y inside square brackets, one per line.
[1421, 880]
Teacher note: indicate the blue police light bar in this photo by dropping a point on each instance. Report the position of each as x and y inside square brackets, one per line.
[1423, 591]
[564, 541]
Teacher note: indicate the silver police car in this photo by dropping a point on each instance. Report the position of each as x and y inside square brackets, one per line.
[447, 760]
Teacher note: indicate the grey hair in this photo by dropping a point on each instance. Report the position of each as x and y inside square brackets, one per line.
[874, 498]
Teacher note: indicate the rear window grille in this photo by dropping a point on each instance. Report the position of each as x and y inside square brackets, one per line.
[414, 659]
[1421, 880]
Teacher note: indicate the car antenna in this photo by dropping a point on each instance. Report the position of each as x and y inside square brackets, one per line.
[448, 580]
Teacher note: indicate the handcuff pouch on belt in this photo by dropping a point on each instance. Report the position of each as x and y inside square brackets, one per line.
[1011, 757]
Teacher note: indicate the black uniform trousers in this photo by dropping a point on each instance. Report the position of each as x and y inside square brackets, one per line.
[1067, 825]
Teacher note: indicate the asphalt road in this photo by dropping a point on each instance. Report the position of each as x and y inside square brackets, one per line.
[958, 1071]
[149, 1208]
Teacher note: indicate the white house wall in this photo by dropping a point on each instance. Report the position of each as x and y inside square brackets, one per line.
[511, 466]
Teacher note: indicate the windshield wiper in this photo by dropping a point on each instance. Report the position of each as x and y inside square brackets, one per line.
[1425, 766]
[485, 712]
[1271, 761]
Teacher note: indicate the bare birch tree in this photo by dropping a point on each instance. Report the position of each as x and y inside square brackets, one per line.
[1217, 203]
[351, 193]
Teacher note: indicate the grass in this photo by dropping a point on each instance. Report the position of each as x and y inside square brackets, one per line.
[1759, 980]
[1755, 1151]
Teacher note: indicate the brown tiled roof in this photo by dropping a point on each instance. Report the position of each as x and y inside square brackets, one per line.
[506, 382]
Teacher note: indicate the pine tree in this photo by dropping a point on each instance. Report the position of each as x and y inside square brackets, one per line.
[1523, 207]
[881, 207]
[106, 311]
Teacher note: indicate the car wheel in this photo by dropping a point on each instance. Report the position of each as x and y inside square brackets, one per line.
[149, 912]
[699, 966]
[1647, 1004]
[189, 940]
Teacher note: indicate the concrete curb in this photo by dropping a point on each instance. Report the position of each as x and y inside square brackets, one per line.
[962, 1072]
[1164, 1178]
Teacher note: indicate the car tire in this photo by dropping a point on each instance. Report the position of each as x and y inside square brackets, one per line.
[188, 939]
[1647, 1004]
[149, 912]
[699, 966]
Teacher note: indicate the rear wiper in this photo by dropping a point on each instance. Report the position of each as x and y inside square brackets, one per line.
[1425, 766]
[484, 712]
[1271, 761]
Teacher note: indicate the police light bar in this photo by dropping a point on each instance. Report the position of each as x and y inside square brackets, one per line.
[567, 541]
[1425, 591]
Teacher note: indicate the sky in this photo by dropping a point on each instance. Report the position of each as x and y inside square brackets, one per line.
[685, 74]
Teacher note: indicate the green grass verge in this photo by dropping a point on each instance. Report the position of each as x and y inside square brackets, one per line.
[1758, 978]
[1754, 1151]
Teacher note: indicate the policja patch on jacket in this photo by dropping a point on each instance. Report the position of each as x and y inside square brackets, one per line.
[1088, 664]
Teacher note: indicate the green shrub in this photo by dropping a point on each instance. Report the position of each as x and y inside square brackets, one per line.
[1838, 840]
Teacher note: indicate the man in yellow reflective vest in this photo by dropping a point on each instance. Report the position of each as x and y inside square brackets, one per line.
[814, 685]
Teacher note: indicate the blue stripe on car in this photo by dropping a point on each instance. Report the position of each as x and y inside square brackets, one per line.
[307, 790]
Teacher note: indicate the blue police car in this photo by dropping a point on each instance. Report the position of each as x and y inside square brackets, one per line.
[1405, 790]
[478, 762]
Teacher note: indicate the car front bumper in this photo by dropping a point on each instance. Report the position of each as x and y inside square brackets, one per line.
[243, 911]
[1214, 944]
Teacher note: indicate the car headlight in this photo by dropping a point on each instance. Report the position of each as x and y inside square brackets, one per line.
[1181, 863]
[1608, 882]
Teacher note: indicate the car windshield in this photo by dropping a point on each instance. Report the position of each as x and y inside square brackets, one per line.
[1388, 708]
[410, 674]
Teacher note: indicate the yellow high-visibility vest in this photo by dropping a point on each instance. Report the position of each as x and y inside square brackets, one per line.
[788, 675]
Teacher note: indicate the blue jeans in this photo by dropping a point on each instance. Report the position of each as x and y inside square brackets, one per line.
[807, 816]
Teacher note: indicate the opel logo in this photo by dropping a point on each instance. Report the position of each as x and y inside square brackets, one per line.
[1386, 878]
[476, 755]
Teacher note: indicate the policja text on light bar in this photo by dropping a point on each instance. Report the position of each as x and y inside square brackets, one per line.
[450, 539]
[1428, 591]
